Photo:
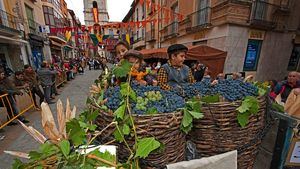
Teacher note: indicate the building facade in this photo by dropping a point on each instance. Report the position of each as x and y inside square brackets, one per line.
[95, 12]
[259, 36]
[13, 46]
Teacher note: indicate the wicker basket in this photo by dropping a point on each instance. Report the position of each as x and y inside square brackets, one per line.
[164, 127]
[219, 132]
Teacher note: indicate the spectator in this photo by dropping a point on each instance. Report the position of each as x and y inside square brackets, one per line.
[18, 80]
[121, 48]
[31, 78]
[220, 76]
[45, 75]
[6, 87]
[199, 72]
[285, 87]
[91, 64]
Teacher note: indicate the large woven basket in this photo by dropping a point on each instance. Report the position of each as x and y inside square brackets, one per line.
[164, 127]
[219, 132]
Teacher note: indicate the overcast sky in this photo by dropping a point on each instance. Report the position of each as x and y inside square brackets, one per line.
[117, 9]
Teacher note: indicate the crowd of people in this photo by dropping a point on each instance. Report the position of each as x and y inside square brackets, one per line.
[42, 82]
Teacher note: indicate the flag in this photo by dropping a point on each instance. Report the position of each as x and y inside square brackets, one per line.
[128, 38]
[94, 39]
[100, 38]
[68, 35]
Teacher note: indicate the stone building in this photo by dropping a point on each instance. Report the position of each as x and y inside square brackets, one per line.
[261, 37]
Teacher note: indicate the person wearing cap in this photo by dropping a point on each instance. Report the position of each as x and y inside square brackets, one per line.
[174, 73]
[140, 75]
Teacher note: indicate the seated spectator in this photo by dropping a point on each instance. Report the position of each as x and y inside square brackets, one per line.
[30, 77]
[6, 87]
[18, 80]
[285, 87]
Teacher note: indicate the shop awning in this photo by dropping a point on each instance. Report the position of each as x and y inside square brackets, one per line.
[56, 38]
[211, 57]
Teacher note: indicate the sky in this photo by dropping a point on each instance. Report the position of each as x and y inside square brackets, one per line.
[117, 9]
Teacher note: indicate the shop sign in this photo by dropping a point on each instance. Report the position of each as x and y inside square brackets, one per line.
[252, 55]
[256, 34]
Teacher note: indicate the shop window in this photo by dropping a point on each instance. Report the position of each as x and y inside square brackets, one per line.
[252, 55]
[294, 59]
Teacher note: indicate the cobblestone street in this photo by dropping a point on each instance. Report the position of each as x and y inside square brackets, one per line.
[16, 139]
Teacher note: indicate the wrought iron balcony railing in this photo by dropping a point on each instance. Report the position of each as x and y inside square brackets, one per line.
[171, 30]
[8, 22]
[263, 15]
[199, 19]
[150, 36]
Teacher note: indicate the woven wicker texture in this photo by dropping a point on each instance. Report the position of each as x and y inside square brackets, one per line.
[219, 132]
[164, 127]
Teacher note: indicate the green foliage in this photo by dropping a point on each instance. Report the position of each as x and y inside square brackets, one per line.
[64, 146]
[123, 69]
[191, 111]
[126, 129]
[152, 111]
[249, 106]
[126, 90]
[119, 113]
[211, 99]
[76, 132]
[277, 107]
[105, 156]
[18, 164]
[145, 146]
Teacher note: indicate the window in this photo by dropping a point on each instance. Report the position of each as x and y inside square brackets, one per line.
[95, 5]
[294, 59]
[137, 14]
[202, 12]
[30, 19]
[252, 55]
[174, 27]
[49, 16]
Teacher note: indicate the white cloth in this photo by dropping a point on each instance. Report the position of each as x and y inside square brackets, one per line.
[222, 161]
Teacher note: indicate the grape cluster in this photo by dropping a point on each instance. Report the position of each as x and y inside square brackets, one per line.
[231, 90]
[163, 101]
[113, 97]
[151, 96]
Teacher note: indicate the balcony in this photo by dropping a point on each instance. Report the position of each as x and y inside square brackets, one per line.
[171, 30]
[34, 27]
[150, 36]
[262, 16]
[8, 22]
[199, 20]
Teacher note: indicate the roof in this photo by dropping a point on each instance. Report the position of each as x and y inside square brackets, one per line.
[130, 12]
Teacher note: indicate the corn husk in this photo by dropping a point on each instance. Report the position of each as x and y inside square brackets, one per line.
[48, 123]
[34, 133]
[68, 111]
[17, 154]
[73, 113]
[61, 117]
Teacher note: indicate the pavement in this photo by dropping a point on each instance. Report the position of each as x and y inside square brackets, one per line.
[17, 139]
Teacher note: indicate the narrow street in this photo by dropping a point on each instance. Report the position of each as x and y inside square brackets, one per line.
[16, 139]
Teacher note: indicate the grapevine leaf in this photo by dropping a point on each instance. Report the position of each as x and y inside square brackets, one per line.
[39, 167]
[152, 111]
[17, 164]
[126, 90]
[196, 106]
[92, 127]
[101, 97]
[105, 156]
[243, 108]
[187, 118]
[123, 69]
[243, 118]
[119, 113]
[186, 129]
[126, 129]
[48, 149]
[118, 136]
[76, 133]
[211, 98]
[64, 147]
[196, 115]
[35, 155]
[86, 166]
[145, 146]
[253, 103]
[91, 116]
